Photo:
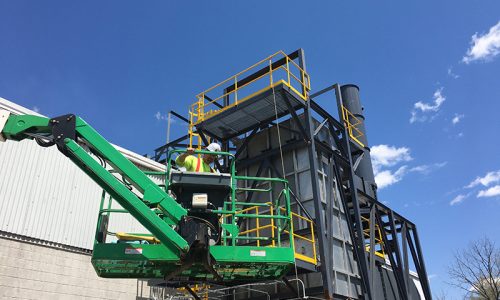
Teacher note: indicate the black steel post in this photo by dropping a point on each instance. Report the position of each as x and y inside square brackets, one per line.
[406, 266]
[193, 293]
[326, 266]
[423, 277]
[397, 266]
[373, 226]
[358, 225]
[325, 255]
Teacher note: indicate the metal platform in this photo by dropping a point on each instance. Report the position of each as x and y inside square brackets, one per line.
[230, 263]
[256, 109]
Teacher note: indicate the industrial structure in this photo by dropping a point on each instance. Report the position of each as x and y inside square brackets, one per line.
[291, 213]
[348, 244]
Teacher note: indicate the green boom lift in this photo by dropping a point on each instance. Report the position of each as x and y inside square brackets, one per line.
[193, 219]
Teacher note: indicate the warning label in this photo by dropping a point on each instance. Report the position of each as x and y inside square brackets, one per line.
[257, 253]
[133, 250]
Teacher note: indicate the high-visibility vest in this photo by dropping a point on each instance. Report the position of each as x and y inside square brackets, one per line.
[198, 165]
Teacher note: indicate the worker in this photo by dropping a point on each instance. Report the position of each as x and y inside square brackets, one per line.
[195, 164]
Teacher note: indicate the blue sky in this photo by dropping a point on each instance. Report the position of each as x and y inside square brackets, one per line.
[429, 74]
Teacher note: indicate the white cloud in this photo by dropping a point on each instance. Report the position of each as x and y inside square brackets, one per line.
[384, 157]
[491, 192]
[489, 182]
[458, 199]
[162, 117]
[457, 118]
[387, 177]
[387, 156]
[490, 177]
[35, 109]
[426, 169]
[438, 100]
[484, 47]
[421, 110]
[451, 74]
[159, 116]
[441, 164]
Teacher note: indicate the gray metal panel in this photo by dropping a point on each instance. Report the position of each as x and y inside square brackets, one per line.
[297, 170]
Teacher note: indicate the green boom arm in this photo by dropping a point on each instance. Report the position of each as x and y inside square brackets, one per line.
[69, 133]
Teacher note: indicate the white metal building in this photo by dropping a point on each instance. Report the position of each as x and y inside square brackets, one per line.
[48, 214]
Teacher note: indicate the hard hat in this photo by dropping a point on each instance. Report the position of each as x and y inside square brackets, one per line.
[213, 147]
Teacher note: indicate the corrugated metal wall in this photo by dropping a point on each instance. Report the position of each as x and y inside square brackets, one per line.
[43, 195]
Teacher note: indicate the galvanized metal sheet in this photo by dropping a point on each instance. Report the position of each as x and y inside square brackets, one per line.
[297, 172]
[44, 196]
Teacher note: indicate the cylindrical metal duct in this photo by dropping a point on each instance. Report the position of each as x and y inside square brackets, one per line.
[350, 99]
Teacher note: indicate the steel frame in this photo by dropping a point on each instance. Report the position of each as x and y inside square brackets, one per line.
[399, 234]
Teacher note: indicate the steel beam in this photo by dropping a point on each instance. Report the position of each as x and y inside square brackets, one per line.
[193, 293]
[326, 266]
[245, 143]
[179, 116]
[297, 120]
[423, 273]
[397, 267]
[358, 225]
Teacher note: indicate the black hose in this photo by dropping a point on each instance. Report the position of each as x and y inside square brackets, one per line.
[43, 143]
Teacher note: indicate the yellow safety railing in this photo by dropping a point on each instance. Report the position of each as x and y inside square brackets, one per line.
[311, 240]
[352, 123]
[289, 74]
[259, 227]
[195, 140]
[379, 243]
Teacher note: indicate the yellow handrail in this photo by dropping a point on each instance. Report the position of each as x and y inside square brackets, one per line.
[311, 259]
[296, 79]
[199, 108]
[249, 68]
[258, 228]
[352, 123]
[378, 239]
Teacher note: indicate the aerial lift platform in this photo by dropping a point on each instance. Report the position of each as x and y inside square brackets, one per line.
[170, 250]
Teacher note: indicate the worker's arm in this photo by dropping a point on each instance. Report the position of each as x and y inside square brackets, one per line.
[181, 159]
